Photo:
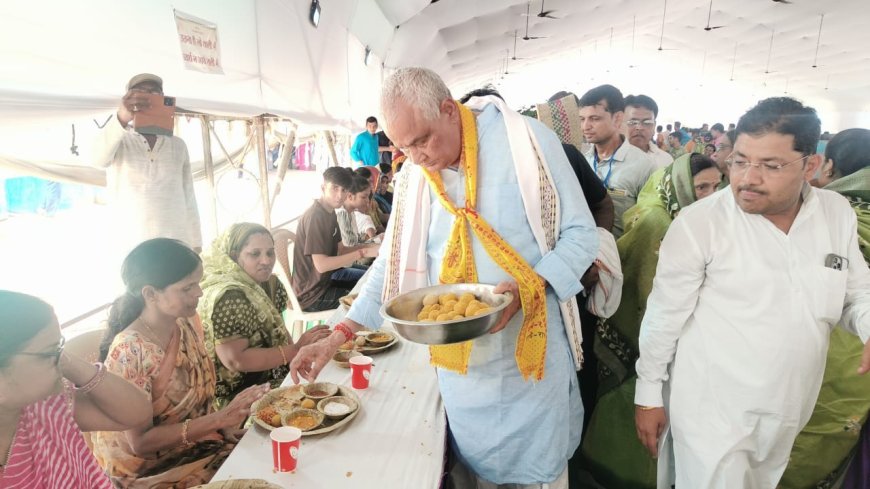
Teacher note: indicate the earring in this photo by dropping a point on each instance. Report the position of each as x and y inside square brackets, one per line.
[829, 174]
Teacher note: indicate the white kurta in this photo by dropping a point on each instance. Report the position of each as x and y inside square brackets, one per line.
[505, 429]
[151, 189]
[740, 313]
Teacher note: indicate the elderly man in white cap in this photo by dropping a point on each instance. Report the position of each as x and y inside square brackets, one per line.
[148, 175]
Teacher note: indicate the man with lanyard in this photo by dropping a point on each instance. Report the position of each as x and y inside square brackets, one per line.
[749, 284]
[481, 190]
[622, 167]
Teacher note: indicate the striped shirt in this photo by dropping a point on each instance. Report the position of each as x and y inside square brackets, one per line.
[49, 452]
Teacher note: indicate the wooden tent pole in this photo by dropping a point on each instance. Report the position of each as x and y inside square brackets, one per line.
[330, 143]
[284, 163]
[259, 125]
[209, 169]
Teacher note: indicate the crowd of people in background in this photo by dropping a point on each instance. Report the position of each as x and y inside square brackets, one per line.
[736, 252]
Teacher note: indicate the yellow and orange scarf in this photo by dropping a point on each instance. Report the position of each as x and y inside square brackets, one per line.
[458, 265]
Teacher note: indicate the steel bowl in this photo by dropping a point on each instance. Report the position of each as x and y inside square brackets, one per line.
[402, 312]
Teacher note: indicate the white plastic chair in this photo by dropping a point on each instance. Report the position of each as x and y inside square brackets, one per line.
[296, 317]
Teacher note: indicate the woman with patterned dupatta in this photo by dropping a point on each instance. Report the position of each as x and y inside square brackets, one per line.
[823, 449]
[241, 312]
[611, 450]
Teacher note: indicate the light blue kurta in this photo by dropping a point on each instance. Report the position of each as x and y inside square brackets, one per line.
[506, 429]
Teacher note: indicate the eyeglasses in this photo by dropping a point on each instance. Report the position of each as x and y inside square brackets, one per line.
[741, 166]
[418, 143]
[638, 122]
[56, 353]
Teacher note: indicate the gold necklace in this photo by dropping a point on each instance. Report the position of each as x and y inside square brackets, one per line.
[154, 335]
[11, 446]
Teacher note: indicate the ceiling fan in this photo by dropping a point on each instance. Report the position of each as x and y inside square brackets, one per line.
[662, 37]
[633, 28]
[528, 14]
[546, 14]
[709, 14]
[782, 1]
[514, 57]
[818, 42]
[506, 64]
[769, 53]
[733, 62]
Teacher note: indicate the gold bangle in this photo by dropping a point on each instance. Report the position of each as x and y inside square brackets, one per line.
[283, 355]
[648, 408]
[184, 429]
[95, 380]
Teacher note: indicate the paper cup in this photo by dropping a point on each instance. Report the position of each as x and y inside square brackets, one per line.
[285, 448]
[361, 371]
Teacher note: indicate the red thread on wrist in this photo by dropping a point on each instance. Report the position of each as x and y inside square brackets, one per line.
[345, 330]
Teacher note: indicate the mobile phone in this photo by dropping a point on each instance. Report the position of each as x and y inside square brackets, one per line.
[836, 262]
[158, 118]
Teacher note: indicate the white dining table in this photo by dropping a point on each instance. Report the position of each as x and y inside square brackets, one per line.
[397, 439]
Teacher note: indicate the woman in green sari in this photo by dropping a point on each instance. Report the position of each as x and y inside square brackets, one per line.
[611, 450]
[823, 449]
[241, 312]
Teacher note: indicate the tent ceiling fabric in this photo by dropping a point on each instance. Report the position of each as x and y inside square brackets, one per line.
[467, 43]
[62, 58]
[68, 58]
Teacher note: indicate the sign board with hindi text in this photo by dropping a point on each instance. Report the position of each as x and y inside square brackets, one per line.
[200, 49]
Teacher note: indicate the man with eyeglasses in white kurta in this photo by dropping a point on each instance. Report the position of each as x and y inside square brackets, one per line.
[749, 284]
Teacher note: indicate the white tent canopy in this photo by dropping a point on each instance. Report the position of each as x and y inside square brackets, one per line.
[62, 59]
[764, 48]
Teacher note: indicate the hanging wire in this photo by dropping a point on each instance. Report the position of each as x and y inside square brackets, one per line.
[818, 42]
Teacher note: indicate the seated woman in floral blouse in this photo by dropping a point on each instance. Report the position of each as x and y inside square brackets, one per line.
[152, 344]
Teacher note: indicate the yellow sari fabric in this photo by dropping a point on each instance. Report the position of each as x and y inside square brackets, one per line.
[458, 266]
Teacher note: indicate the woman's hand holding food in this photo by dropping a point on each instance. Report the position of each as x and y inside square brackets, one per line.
[233, 435]
[240, 407]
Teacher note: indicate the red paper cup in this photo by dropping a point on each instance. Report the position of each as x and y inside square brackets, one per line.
[361, 371]
[285, 448]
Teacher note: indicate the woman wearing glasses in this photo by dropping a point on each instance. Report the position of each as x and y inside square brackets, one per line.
[617, 457]
[47, 398]
[152, 344]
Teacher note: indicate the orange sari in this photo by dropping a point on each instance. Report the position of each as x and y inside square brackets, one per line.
[181, 383]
